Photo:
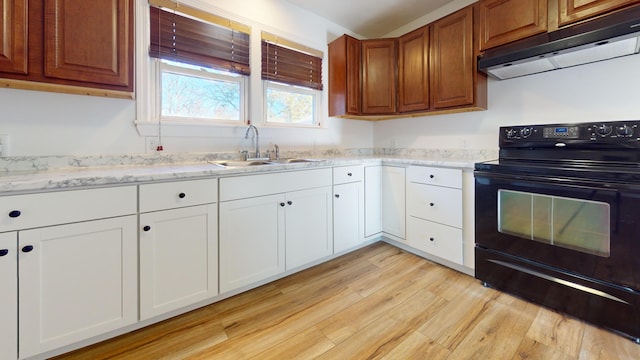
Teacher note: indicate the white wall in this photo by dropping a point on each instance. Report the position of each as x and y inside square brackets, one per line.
[607, 90]
[40, 123]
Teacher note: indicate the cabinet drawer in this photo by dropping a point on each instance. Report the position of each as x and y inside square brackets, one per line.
[435, 176]
[44, 209]
[347, 174]
[436, 239]
[435, 203]
[177, 194]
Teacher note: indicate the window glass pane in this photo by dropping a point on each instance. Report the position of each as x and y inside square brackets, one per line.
[192, 96]
[289, 107]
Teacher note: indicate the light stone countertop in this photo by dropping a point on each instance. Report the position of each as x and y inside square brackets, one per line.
[113, 173]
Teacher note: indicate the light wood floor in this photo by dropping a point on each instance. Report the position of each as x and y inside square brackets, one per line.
[376, 303]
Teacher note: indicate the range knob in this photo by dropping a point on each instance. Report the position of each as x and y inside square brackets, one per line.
[526, 132]
[512, 133]
[603, 129]
[624, 130]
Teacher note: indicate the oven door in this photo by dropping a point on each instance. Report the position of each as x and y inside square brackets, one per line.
[577, 226]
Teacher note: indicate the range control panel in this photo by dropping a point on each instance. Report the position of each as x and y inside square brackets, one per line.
[559, 135]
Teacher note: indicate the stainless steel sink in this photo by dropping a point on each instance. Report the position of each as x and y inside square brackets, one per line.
[294, 160]
[241, 163]
[238, 163]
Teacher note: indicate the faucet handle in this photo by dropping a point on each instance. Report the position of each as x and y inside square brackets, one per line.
[268, 154]
[244, 154]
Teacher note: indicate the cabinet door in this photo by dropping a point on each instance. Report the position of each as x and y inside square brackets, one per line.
[89, 41]
[570, 11]
[251, 240]
[13, 36]
[344, 76]
[348, 216]
[372, 200]
[379, 76]
[76, 281]
[393, 201]
[309, 222]
[9, 296]
[504, 21]
[413, 71]
[178, 258]
[453, 60]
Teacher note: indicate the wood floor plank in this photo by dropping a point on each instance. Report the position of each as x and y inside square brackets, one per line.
[498, 332]
[308, 344]
[417, 346]
[531, 349]
[558, 331]
[599, 344]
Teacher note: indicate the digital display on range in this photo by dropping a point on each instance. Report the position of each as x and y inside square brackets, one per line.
[561, 132]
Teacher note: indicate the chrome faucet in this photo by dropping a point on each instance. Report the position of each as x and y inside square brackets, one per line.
[277, 151]
[246, 136]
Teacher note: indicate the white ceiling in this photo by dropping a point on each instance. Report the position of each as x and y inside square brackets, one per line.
[371, 18]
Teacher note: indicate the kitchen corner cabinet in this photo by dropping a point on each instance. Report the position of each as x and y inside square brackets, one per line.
[453, 60]
[76, 280]
[344, 76]
[9, 296]
[272, 223]
[13, 36]
[178, 245]
[413, 71]
[504, 21]
[86, 44]
[393, 200]
[572, 11]
[379, 59]
[348, 207]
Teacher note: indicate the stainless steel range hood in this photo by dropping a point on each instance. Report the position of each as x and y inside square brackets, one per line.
[604, 38]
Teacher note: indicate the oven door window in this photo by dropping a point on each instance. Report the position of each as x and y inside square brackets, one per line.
[577, 224]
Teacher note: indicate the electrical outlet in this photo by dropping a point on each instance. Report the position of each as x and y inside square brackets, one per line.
[4, 145]
[152, 144]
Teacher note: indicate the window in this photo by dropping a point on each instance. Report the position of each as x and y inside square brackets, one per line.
[195, 93]
[292, 82]
[203, 68]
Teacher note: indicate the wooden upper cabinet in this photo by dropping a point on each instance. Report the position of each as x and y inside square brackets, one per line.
[88, 41]
[571, 11]
[379, 76]
[453, 60]
[503, 21]
[13, 36]
[413, 71]
[344, 76]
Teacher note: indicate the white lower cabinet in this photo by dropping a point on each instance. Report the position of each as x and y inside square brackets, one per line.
[76, 281]
[271, 223]
[9, 296]
[393, 200]
[435, 212]
[251, 240]
[178, 258]
[178, 245]
[308, 226]
[348, 216]
[372, 200]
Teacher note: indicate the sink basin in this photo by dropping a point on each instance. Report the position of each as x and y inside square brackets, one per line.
[294, 160]
[236, 163]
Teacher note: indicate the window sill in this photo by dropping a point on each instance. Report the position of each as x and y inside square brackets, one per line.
[182, 129]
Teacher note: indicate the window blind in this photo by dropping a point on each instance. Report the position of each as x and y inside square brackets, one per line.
[180, 38]
[292, 67]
